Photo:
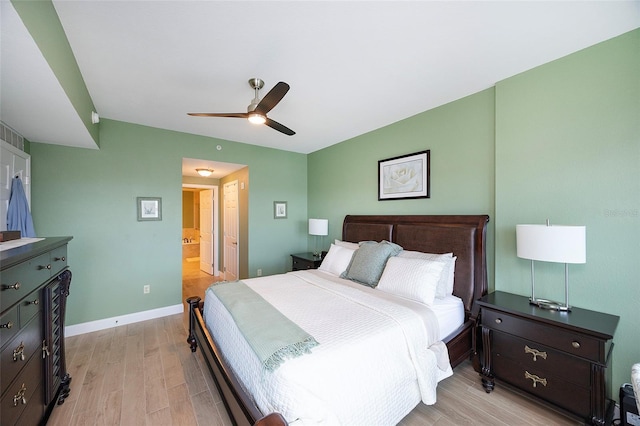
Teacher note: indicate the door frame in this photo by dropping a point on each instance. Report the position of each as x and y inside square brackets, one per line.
[216, 222]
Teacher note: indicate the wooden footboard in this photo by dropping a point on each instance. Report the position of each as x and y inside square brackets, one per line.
[239, 405]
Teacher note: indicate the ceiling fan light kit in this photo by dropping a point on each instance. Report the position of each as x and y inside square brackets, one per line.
[256, 118]
[258, 109]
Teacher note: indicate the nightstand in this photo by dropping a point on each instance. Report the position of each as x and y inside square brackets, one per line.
[561, 358]
[301, 261]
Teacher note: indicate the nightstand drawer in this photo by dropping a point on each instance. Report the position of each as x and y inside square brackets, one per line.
[534, 356]
[300, 264]
[546, 386]
[554, 337]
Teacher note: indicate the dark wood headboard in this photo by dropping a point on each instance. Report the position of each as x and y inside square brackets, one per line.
[463, 235]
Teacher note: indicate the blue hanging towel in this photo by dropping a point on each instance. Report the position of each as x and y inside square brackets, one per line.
[18, 215]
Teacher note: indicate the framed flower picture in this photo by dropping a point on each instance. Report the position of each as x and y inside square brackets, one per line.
[406, 176]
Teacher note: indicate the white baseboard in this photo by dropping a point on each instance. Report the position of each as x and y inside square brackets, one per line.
[88, 327]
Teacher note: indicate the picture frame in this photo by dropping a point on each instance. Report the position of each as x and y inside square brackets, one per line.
[404, 177]
[149, 208]
[279, 209]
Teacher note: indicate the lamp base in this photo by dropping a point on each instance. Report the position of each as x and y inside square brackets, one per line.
[549, 304]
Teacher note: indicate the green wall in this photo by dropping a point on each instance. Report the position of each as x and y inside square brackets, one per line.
[91, 195]
[568, 149]
[460, 135]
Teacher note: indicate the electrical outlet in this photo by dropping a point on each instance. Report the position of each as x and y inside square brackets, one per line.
[146, 289]
[259, 272]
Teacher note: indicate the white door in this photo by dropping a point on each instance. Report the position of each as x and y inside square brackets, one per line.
[231, 226]
[206, 231]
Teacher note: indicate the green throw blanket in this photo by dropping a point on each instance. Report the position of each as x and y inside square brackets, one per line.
[271, 335]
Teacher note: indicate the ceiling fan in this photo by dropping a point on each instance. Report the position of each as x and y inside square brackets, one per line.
[258, 109]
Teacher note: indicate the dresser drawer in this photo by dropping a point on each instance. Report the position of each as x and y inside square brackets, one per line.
[548, 387]
[24, 385]
[30, 306]
[58, 260]
[9, 325]
[533, 356]
[27, 342]
[553, 337]
[20, 280]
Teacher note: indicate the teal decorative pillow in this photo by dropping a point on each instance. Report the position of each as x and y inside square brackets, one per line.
[369, 261]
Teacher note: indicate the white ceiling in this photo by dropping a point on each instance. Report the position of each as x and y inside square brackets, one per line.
[353, 67]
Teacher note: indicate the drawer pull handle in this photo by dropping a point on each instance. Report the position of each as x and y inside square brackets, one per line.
[45, 349]
[6, 325]
[33, 302]
[19, 352]
[44, 267]
[535, 379]
[19, 397]
[575, 344]
[498, 320]
[15, 286]
[536, 353]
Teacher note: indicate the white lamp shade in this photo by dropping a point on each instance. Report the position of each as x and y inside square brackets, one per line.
[318, 227]
[562, 244]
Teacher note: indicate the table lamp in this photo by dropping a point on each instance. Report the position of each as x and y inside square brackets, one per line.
[319, 228]
[547, 243]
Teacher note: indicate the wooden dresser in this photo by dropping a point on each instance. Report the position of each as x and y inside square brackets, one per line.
[562, 358]
[35, 283]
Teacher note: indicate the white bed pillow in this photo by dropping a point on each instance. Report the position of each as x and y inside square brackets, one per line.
[415, 279]
[445, 284]
[336, 260]
[347, 244]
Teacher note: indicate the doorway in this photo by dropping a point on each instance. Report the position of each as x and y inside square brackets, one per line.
[200, 226]
[196, 277]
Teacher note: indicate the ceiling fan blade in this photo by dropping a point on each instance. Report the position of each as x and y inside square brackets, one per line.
[272, 98]
[279, 127]
[221, 114]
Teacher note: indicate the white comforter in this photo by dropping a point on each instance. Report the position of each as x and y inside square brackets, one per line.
[378, 356]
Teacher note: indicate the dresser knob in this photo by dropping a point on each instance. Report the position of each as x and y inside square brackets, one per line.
[56, 259]
[15, 286]
[44, 267]
[498, 320]
[575, 344]
[33, 302]
[6, 325]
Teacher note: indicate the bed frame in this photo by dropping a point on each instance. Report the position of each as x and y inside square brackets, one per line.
[464, 235]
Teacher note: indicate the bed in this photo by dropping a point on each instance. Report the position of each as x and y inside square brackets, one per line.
[244, 398]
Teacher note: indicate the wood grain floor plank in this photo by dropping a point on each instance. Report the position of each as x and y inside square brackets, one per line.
[160, 418]
[205, 409]
[155, 393]
[110, 409]
[182, 412]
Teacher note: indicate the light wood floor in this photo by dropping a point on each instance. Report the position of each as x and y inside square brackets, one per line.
[145, 373]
